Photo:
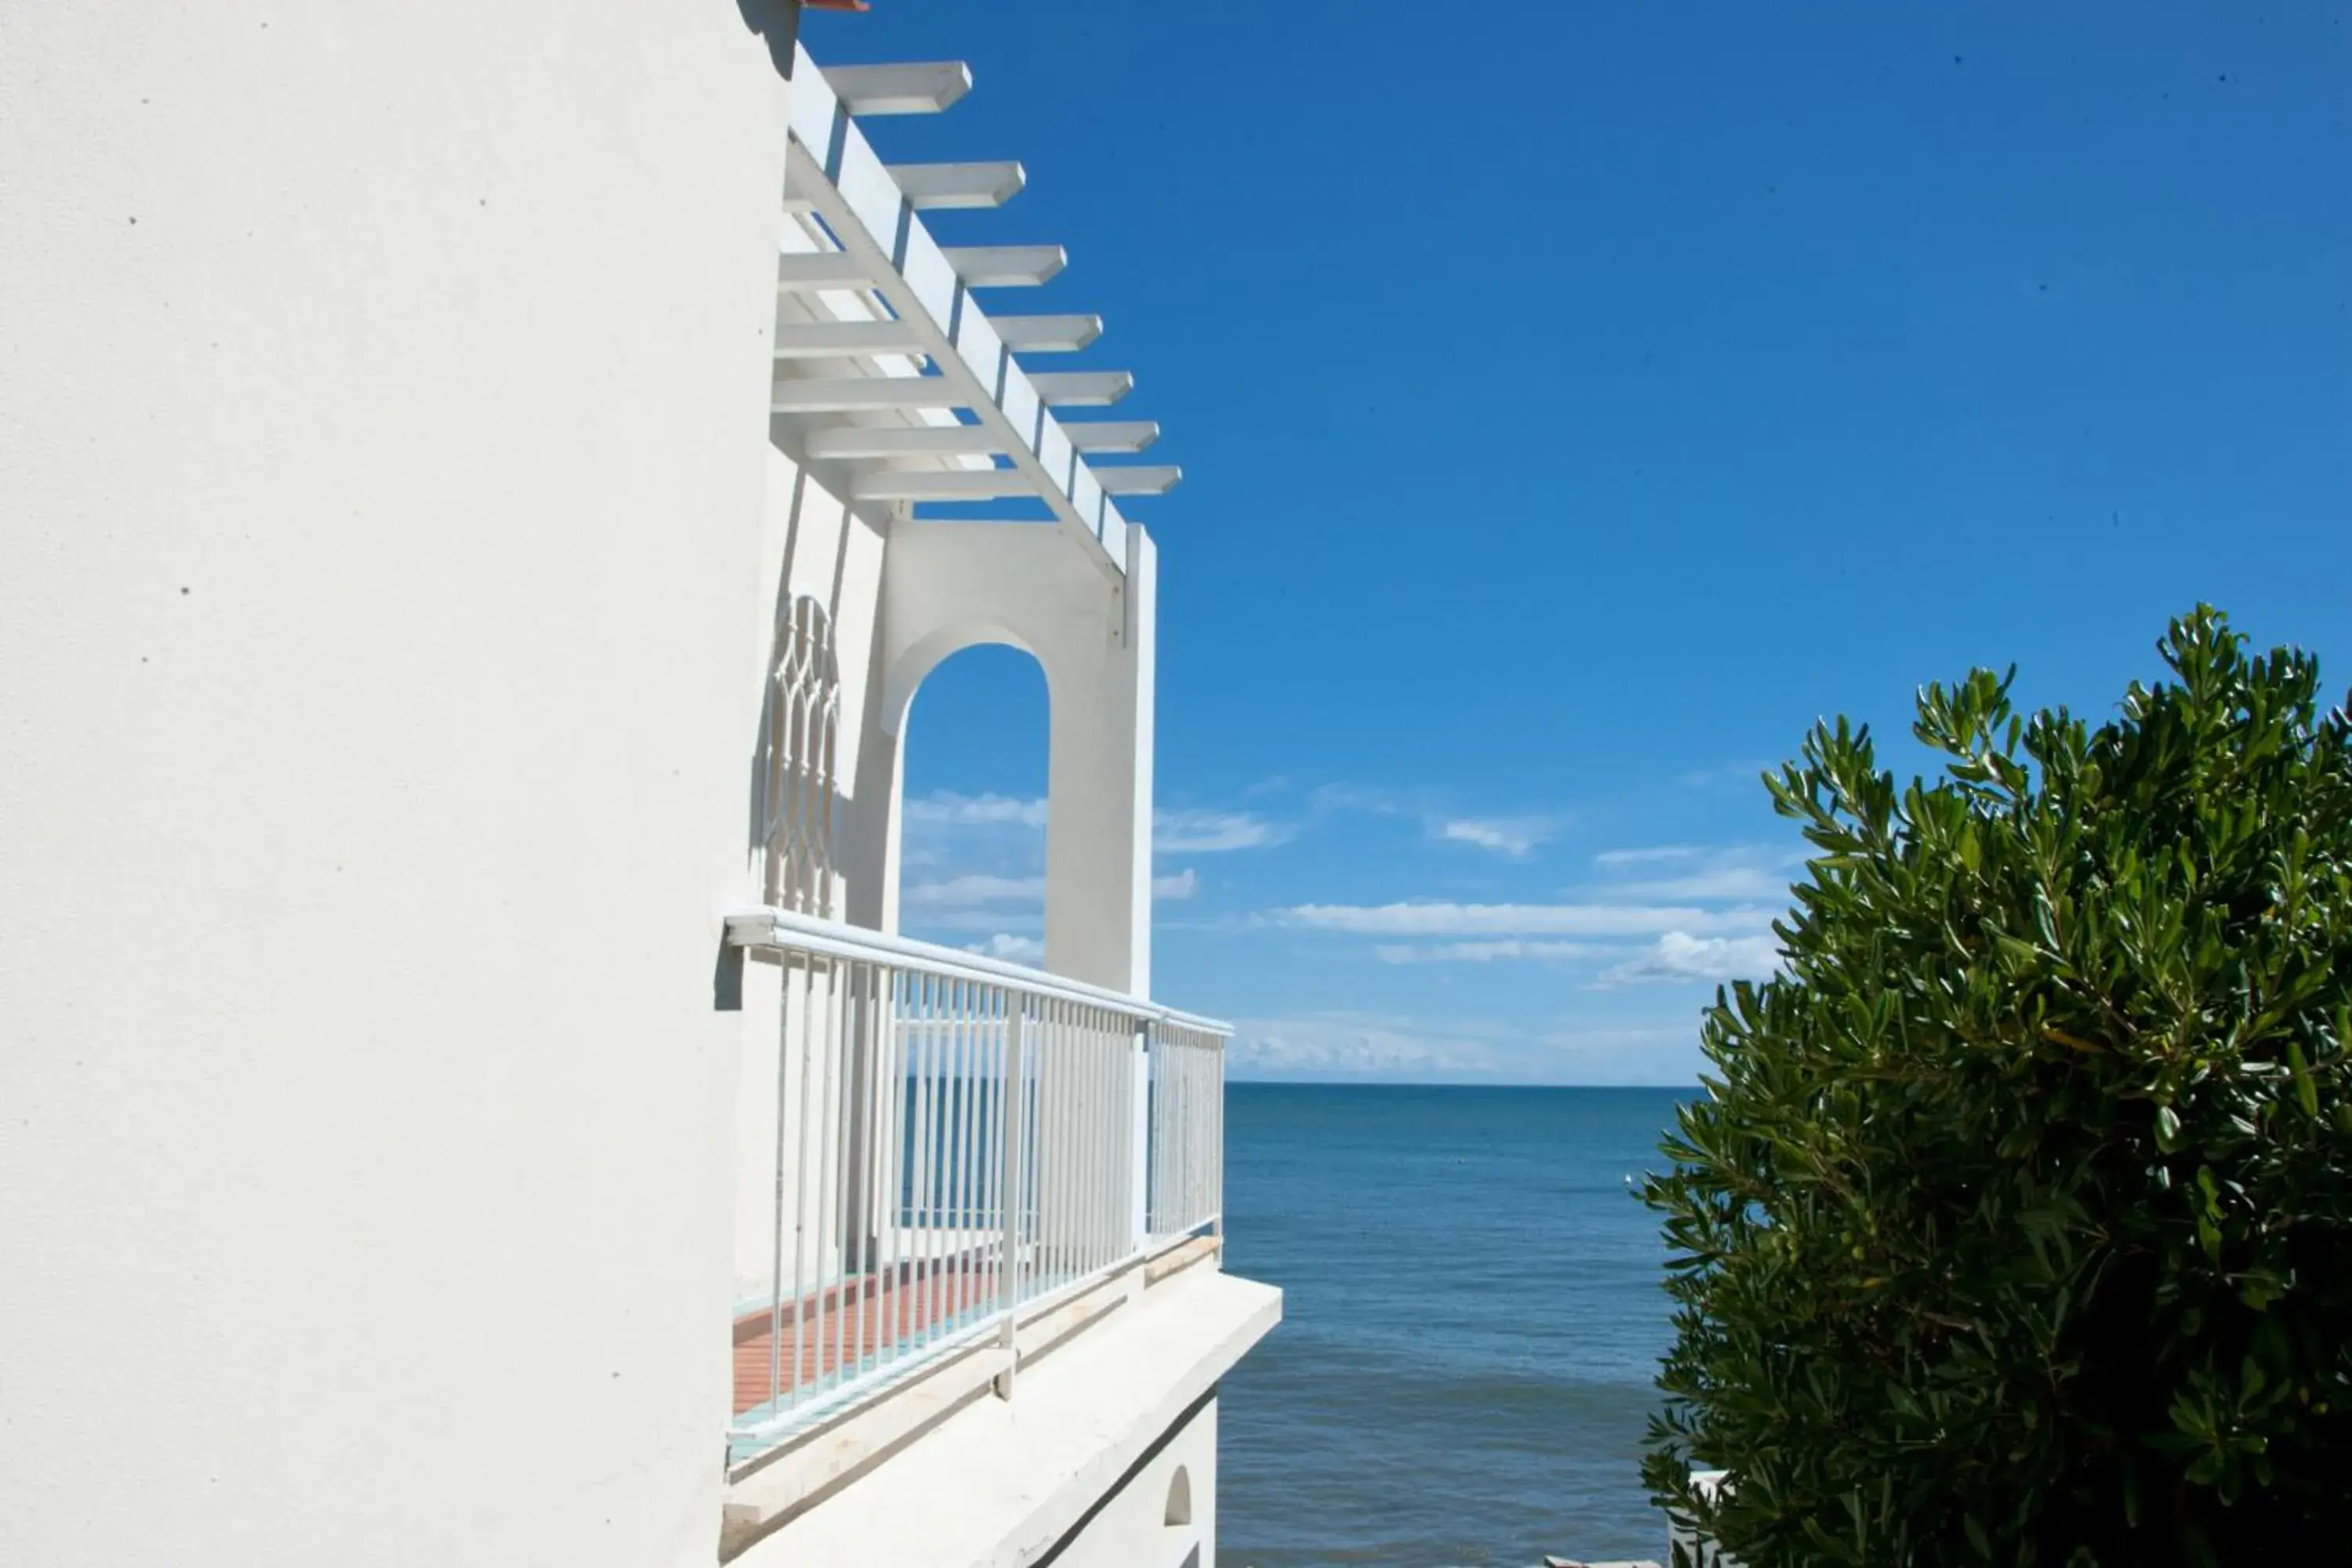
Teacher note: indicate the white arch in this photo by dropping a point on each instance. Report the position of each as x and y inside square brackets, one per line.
[951, 585]
[913, 664]
[902, 679]
[1179, 1512]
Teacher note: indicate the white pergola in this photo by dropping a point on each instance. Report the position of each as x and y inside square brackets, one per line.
[886, 365]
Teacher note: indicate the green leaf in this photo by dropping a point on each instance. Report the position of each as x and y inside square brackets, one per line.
[2306, 1090]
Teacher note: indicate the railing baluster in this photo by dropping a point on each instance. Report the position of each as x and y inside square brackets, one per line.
[857, 1212]
[1008, 1262]
[809, 1047]
[967, 1163]
[926, 1212]
[1082, 1085]
[776, 1228]
[829, 1214]
[958, 1152]
[1097, 1163]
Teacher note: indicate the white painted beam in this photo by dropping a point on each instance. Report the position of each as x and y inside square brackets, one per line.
[1046, 334]
[970, 484]
[1083, 388]
[1140, 479]
[833, 167]
[1005, 266]
[946, 185]
[839, 340]
[925, 89]
[1091, 435]
[856, 441]
[804, 272]
[859, 393]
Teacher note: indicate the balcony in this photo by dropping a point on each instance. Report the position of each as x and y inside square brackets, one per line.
[960, 1153]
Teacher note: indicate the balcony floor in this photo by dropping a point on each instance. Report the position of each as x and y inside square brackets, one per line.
[852, 1327]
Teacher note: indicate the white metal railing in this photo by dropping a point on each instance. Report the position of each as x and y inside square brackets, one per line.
[1186, 1173]
[954, 1140]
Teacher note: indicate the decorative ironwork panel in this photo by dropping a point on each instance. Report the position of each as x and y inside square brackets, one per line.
[801, 780]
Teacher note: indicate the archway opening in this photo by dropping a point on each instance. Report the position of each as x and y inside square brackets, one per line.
[972, 840]
[1179, 1499]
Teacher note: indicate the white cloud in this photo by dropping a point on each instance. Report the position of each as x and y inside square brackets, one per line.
[1011, 948]
[1506, 950]
[1679, 957]
[1431, 919]
[1733, 774]
[1326, 799]
[1182, 885]
[1710, 885]
[1661, 1053]
[1175, 831]
[1692, 873]
[1353, 1045]
[1190, 831]
[974, 892]
[1343, 1045]
[1511, 836]
[945, 809]
[1612, 859]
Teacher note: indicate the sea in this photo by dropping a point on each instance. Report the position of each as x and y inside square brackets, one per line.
[1472, 1322]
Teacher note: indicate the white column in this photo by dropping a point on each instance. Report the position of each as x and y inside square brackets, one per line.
[1138, 1222]
[1098, 826]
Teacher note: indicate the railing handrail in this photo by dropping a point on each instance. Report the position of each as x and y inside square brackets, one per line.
[768, 927]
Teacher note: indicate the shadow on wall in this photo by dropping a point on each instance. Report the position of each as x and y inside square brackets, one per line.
[787, 629]
[792, 795]
[776, 23]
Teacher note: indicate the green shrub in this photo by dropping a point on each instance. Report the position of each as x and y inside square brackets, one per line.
[2016, 1227]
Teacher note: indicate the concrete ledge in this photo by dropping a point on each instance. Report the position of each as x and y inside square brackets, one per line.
[994, 1483]
[796, 1476]
[803, 1471]
[1181, 1257]
[1047, 1329]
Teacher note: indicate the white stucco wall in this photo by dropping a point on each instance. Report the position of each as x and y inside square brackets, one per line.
[381, 547]
[1131, 1531]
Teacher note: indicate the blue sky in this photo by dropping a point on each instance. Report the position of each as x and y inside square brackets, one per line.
[1578, 400]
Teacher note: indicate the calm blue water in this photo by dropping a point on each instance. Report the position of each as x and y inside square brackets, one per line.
[1472, 1318]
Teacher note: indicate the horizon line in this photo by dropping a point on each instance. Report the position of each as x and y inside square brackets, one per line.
[1232, 1081]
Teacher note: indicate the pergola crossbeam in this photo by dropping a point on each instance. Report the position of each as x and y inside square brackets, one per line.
[958, 185]
[969, 484]
[859, 394]
[1083, 388]
[1046, 334]
[812, 272]
[844, 340]
[1139, 478]
[924, 89]
[852, 442]
[1005, 266]
[1092, 435]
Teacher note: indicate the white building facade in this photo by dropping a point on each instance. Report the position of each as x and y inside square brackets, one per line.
[465, 565]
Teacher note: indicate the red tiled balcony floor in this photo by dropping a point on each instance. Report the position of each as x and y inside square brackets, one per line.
[856, 1317]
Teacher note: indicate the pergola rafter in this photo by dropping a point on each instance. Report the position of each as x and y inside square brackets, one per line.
[886, 362]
